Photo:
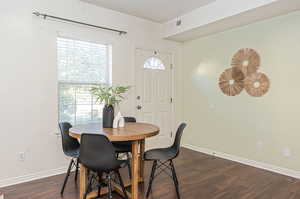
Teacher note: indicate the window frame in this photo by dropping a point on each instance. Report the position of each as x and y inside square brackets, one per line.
[59, 83]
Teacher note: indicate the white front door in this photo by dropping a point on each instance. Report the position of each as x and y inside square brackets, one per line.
[154, 93]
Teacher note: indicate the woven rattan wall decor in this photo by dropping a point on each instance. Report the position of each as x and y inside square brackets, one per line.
[257, 84]
[244, 74]
[231, 82]
[247, 60]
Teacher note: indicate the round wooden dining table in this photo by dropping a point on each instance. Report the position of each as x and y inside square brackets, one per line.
[135, 132]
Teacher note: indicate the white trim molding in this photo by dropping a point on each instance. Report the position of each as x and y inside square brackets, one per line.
[253, 163]
[31, 177]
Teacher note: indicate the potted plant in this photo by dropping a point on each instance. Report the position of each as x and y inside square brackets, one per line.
[110, 96]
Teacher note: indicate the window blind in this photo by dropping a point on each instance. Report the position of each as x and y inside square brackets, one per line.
[82, 62]
[81, 65]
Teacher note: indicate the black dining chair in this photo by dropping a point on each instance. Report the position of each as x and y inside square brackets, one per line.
[163, 159]
[97, 154]
[71, 148]
[125, 146]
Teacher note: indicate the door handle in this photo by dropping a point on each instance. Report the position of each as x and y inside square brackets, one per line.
[139, 107]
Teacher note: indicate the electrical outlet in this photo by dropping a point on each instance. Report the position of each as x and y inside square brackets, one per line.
[286, 152]
[22, 156]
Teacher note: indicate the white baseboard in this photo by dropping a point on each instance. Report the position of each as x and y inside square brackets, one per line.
[265, 166]
[31, 177]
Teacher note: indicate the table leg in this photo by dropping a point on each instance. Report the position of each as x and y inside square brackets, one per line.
[135, 169]
[142, 162]
[83, 178]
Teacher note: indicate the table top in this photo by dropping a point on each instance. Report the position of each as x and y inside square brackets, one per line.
[131, 131]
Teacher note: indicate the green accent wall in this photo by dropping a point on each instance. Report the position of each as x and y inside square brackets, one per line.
[261, 129]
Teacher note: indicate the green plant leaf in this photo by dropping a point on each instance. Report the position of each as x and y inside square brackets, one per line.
[109, 95]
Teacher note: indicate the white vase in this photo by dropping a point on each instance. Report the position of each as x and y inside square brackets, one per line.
[117, 120]
[121, 122]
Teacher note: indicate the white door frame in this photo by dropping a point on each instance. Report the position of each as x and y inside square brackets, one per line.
[173, 130]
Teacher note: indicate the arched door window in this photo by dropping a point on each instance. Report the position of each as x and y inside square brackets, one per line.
[154, 63]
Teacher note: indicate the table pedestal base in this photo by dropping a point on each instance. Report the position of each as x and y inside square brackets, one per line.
[116, 188]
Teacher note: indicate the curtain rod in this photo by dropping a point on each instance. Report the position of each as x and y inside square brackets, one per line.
[45, 16]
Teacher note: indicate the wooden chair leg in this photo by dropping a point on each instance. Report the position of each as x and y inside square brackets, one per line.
[88, 187]
[109, 186]
[129, 165]
[99, 184]
[77, 168]
[122, 184]
[175, 179]
[67, 176]
[151, 178]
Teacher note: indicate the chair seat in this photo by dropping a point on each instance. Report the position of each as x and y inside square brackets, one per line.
[160, 154]
[122, 147]
[73, 154]
[107, 168]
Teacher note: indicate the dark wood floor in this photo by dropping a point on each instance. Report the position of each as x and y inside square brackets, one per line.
[201, 177]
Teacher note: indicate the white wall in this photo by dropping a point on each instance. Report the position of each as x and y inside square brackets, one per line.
[28, 78]
[264, 129]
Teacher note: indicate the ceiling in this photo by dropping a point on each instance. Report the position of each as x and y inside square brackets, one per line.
[209, 27]
[154, 10]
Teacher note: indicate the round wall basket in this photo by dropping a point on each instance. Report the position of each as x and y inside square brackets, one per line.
[257, 84]
[231, 81]
[247, 60]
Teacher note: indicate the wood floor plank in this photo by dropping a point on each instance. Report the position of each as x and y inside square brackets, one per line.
[200, 176]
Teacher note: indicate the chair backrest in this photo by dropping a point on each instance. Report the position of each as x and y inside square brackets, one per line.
[69, 144]
[129, 119]
[97, 152]
[176, 145]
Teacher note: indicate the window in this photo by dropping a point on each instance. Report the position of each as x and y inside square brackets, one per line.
[154, 63]
[81, 65]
